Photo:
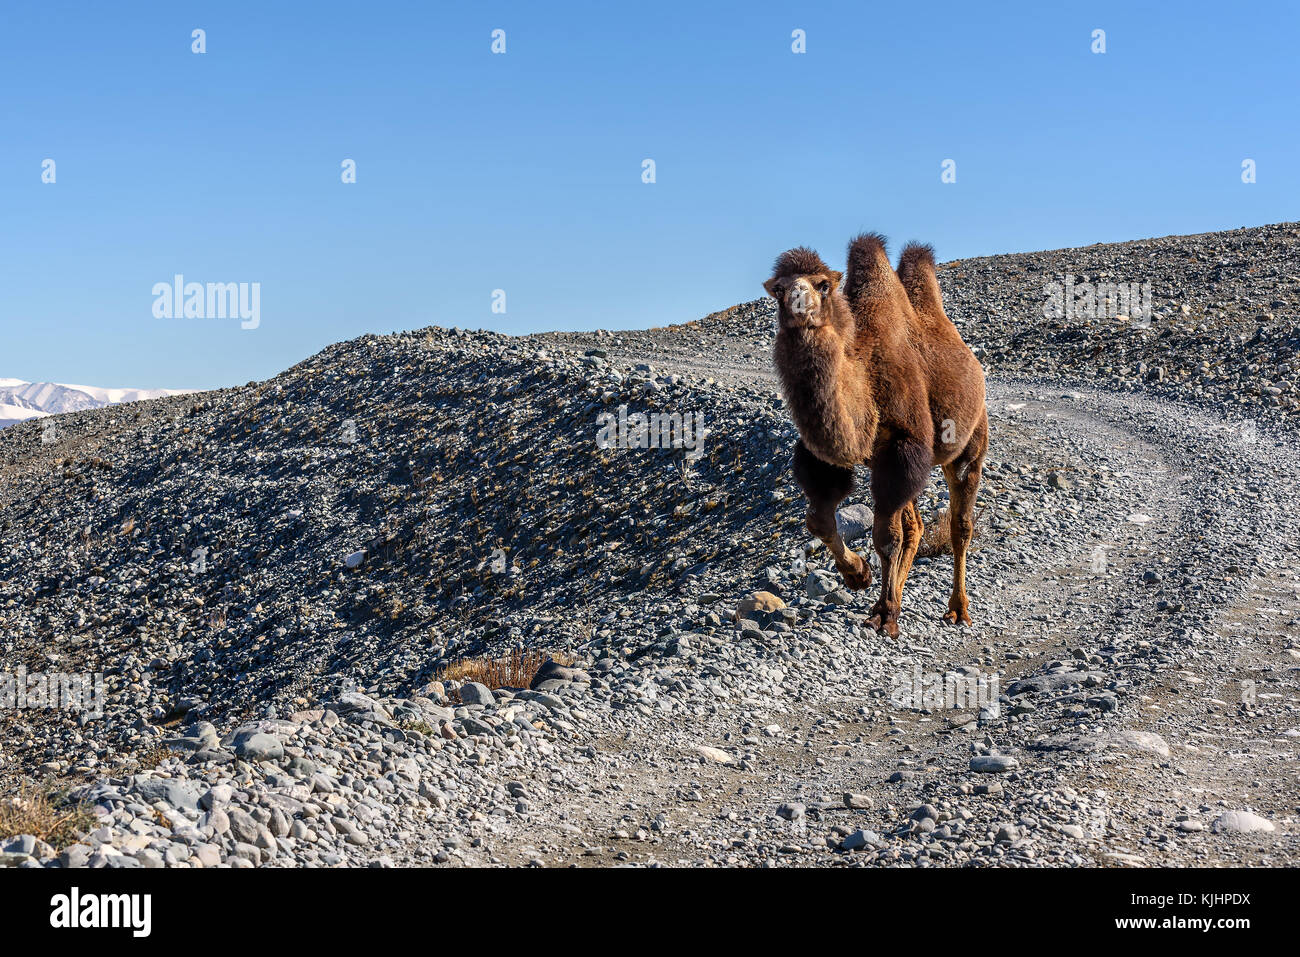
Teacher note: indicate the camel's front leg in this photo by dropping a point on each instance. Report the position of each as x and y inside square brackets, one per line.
[826, 486]
[852, 566]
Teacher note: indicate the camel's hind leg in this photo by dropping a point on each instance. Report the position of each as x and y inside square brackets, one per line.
[963, 477]
[901, 538]
[826, 486]
[913, 531]
[897, 476]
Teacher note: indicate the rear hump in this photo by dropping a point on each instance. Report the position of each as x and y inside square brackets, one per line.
[916, 273]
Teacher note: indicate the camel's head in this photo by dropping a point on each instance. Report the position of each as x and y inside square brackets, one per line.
[804, 289]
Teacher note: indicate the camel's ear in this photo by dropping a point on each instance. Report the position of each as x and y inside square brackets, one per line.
[773, 287]
[835, 278]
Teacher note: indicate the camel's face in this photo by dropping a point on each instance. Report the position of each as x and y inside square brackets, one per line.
[805, 301]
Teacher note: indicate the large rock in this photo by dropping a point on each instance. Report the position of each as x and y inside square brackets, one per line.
[1141, 741]
[860, 839]
[792, 812]
[179, 794]
[1243, 822]
[256, 746]
[993, 763]
[819, 584]
[242, 826]
[714, 754]
[475, 726]
[758, 607]
[854, 521]
[217, 819]
[471, 692]
[301, 768]
[350, 701]
[554, 671]
[198, 737]
[539, 697]
[22, 844]
[75, 855]
[216, 796]
[1054, 682]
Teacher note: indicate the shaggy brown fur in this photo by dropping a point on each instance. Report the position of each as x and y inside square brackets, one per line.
[878, 374]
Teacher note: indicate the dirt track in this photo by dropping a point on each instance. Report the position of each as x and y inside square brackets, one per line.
[1154, 489]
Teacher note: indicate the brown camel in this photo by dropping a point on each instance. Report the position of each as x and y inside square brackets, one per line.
[876, 373]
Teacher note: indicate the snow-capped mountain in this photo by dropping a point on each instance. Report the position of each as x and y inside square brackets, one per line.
[21, 400]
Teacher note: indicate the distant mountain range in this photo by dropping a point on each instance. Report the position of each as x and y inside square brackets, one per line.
[21, 400]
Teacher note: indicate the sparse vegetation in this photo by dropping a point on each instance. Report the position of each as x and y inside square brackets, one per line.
[151, 758]
[937, 539]
[47, 816]
[421, 727]
[515, 671]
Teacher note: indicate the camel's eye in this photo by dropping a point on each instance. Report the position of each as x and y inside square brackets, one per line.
[778, 290]
[824, 288]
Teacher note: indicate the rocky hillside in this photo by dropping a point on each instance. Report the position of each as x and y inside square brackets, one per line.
[208, 545]
[273, 580]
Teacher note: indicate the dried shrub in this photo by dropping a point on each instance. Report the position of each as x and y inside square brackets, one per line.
[48, 816]
[514, 671]
[937, 538]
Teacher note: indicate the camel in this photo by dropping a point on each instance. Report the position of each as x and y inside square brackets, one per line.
[875, 373]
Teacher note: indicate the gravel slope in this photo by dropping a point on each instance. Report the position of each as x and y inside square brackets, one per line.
[1132, 588]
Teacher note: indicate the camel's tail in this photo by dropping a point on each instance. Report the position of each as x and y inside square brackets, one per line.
[868, 272]
[916, 273]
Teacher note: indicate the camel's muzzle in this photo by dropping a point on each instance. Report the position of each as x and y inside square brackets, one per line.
[802, 305]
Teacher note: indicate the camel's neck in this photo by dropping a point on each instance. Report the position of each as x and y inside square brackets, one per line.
[828, 393]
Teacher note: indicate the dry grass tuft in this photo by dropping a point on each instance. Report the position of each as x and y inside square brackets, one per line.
[937, 538]
[50, 817]
[156, 755]
[421, 727]
[515, 671]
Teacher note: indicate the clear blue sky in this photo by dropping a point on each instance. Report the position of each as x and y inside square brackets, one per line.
[522, 171]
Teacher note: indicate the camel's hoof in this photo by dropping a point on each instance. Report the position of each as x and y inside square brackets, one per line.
[955, 618]
[884, 626]
[856, 580]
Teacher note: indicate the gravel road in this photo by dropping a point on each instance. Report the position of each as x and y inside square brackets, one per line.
[1142, 574]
